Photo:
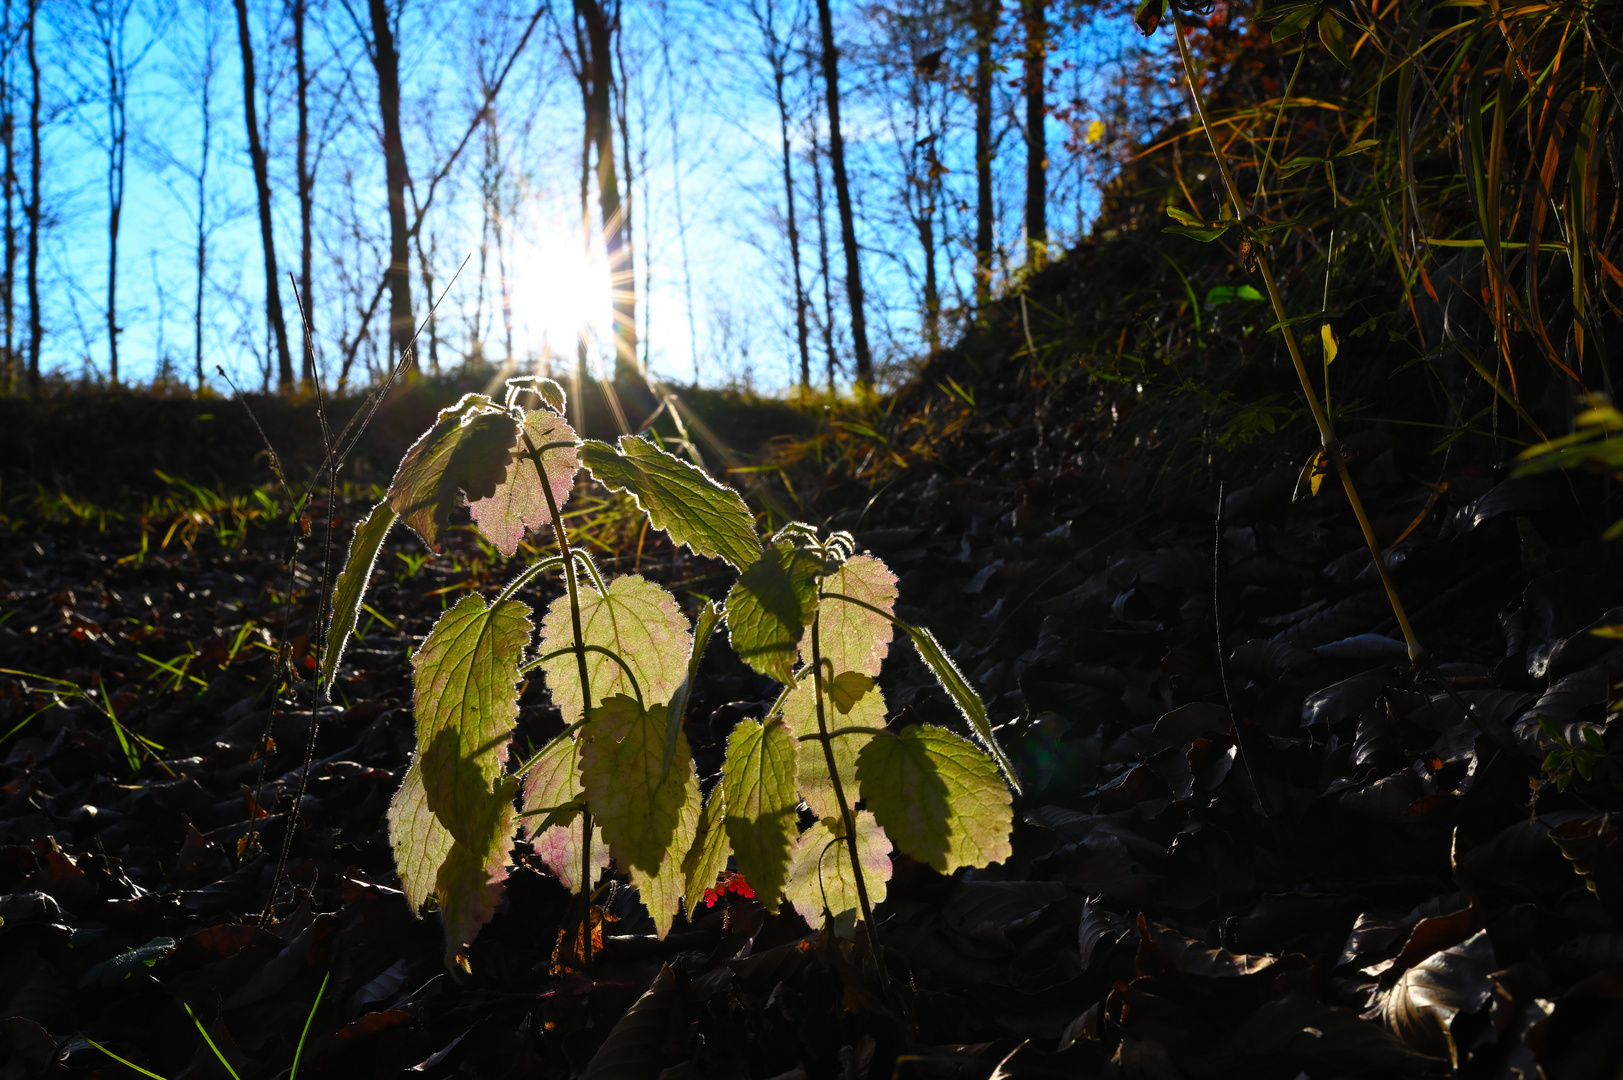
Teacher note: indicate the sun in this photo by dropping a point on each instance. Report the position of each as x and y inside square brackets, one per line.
[560, 292]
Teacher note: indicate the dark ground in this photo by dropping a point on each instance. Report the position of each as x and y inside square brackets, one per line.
[1363, 876]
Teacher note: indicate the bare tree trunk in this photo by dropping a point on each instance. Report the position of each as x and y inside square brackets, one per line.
[985, 30]
[36, 331]
[110, 31]
[676, 188]
[926, 227]
[256, 151]
[202, 193]
[822, 252]
[488, 178]
[504, 281]
[425, 260]
[842, 196]
[386, 60]
[597, 82]
[1036, 136]
[306, 186]
[622, 98]
[8, 134]
[777, 55]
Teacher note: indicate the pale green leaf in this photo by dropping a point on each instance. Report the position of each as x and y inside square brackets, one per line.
[820, 878]
[519, 503]
[636, 619]
[466, 875]
[553, 781]
[352, 581]
[707, 856]
[963, 695]
[852, 638]
[938, 798]
[681, 499]
[469, 882]
[465, 697]
[420, 842]
[846, 689]
[800, 716]
[467, 450]
[548, 390]
[621, 748]
[769, 606]
[758, 779]
[709, 618]
[662, 893]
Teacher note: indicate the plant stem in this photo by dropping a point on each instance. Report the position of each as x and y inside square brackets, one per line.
[847, 818]
[1327, 435]
[573, 585]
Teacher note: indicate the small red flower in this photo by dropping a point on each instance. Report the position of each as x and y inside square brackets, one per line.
[726, 883]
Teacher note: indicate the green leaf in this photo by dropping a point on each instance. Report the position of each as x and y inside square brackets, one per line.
[468, 449]
[758, 779]
[352, 581]
[1335, 43]
[846, 689]
[852, 638]
[769, 607]
[709, 618]
[469, 883]
[1149, 14]
[681, 499]
[548, 390]
[466, 874]
[1293, 20]
[621, 748]
[662, 892]
[820, 878]
[465, 697]
[519, 503]
[968, 702]
[938, 798]
[554, 780]
[1204, 235]
[707, 856]
[637, 620]
[1183, 217]
[1297, 164]
[1223, 294]
[867, 710]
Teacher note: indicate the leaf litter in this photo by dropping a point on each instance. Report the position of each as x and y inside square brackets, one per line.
[1374, 872]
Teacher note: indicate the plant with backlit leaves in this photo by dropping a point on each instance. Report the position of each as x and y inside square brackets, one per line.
[619, 659]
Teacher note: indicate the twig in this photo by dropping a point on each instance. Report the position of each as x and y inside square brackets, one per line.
[1331, 446]
[1222, 654]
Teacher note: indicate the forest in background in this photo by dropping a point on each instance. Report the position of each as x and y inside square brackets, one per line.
[756, 192]
[1269, 530]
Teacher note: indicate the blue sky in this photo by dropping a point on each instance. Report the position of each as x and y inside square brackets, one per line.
[704, 141]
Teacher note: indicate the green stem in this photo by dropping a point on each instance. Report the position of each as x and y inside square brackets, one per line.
[838, 733]
[1327, 435]
[530, 574]
[571, 582]
[846, 816]
[610, 653]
